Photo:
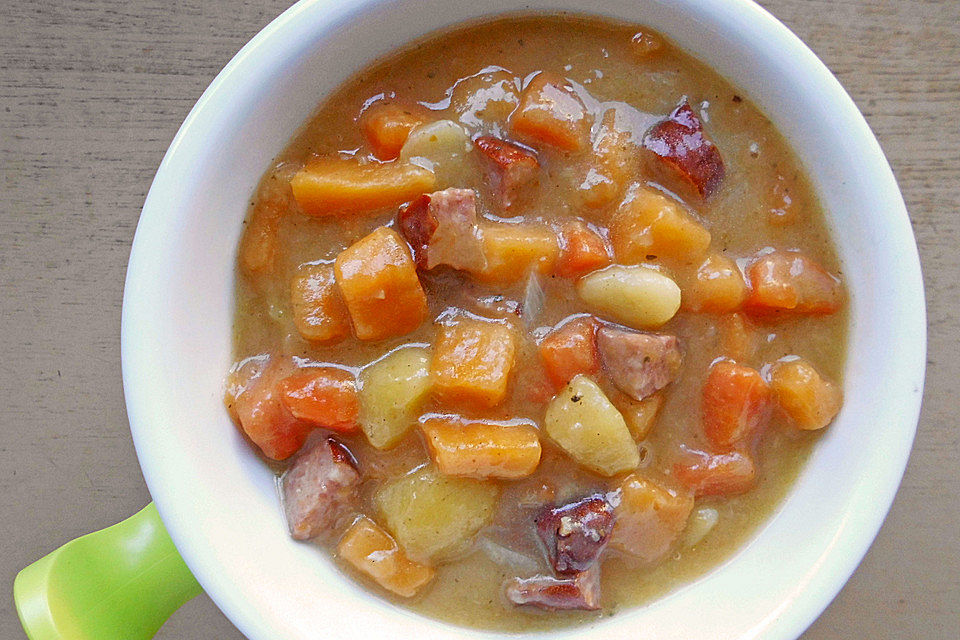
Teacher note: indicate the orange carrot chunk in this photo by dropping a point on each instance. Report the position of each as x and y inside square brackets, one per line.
[551, 113]
[736, 404]
[323, 396]
[379, 284]
[584, 250]
[511, 251]
[570, 349]
[373, 551]
[262, 415]
[482, 449]
[722, 474]
[790, 281]
[386, 125]
[810, 401]
[334, 186]
[472, 361]
[318, 311]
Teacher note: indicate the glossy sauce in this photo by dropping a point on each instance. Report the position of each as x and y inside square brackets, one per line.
[764, 201]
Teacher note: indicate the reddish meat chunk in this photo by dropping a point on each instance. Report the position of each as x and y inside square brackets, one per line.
[581, 591]
[640, 364]
[442, 229]
[722, 474]
[510, 168]
[684, 152]
[576, 534]
[790, 281]
[320, 489]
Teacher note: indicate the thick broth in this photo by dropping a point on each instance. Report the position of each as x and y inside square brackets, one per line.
[760, 171]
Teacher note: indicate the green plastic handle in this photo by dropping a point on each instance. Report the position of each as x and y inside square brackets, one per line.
[119, 583]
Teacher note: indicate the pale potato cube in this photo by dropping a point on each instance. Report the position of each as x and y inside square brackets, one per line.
[590, 429]
[372, 551]
[444, 147]
[639, 297]
[431, 515]
[391, 392]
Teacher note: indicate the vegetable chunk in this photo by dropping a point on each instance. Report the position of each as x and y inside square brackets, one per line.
[649, 225]
[472, 361]
[332, 186]
[551, 113]
[684, 153]
[569, 349]
[260, 411]
[258, 247]
[432, 515]
[584, 250]
[790, 281]
[590, 429]
[318, 311]
[386, 126]
[323, 396]
[482, 449]
[320, 489]
[736, 404]
[718, 286]
[810, 401]
[374, 552]
[391, 392]
[442, 229]
[723, 474]
[513, 250]
[650, 517]
[638, 297]
[379, 284]
[612, 165]
[510, 168]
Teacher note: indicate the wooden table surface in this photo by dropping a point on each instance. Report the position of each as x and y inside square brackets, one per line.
[92, 92]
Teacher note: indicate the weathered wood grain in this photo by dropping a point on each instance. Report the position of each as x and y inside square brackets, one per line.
[91, 93]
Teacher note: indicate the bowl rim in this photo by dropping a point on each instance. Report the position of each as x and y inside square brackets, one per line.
[789, 622]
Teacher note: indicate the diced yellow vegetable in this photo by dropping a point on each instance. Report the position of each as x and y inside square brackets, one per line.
[318, 311]
[590, 429]
[372, 551]
[391, 392]
[379, 284]
[334, 186]
[717, 287]
[258, 247]
[445, 147]
[472, 361]
[487, 449]
[805, 396]
[611, 165]
[513, 250]
[640, 416]
[432, 515]
[650, 517]
[651, 224]
[638, 297]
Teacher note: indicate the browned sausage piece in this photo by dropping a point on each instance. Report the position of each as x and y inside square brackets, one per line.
[442, 229]
[320, 489]
[576, 534]
[679, 146]
[640, 364]
[509, 166]
[581, 591]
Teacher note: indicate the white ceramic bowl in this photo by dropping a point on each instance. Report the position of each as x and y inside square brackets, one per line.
[218, 500]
